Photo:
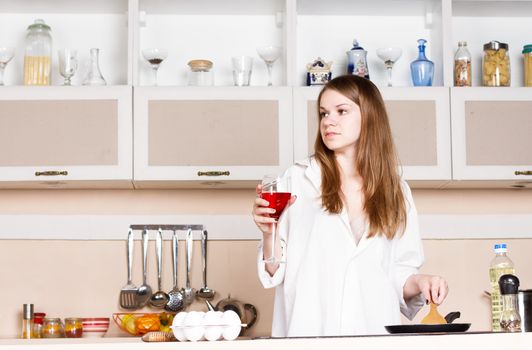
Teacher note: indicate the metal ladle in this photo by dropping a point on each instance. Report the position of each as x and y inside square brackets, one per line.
[144, 291]
[204, 292]
[160, 298]
[175, 302]
[188, 292]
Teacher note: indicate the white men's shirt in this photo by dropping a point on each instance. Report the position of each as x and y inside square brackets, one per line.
[330, 285]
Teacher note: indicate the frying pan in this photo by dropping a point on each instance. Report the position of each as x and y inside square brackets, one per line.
[431, 328]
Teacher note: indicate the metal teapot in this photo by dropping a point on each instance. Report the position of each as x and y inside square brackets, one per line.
[247, 312]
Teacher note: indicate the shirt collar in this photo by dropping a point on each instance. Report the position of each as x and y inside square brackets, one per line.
[312, 171]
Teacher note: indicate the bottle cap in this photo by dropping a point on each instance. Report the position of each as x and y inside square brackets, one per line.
[27, 311]
[508, 284]
[500, 248]
[495, 45]
[527, 48]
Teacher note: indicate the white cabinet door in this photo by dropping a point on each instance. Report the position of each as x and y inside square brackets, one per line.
[68, 137]
[223, 137]
[492, 135]
[420, 124]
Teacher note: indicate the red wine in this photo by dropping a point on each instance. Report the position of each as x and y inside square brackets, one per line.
[278, 201]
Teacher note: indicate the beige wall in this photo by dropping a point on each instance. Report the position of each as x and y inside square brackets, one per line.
[83, 278]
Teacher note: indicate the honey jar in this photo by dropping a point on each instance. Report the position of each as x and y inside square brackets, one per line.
[52, 328]
[527, 60]
[73, 327]
[496, 64]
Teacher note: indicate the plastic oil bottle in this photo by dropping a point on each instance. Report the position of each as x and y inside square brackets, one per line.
[500, 265]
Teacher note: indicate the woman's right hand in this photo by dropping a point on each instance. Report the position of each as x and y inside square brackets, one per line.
[261, 213]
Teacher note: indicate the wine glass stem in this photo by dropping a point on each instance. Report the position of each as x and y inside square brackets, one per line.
[389, 69]
[155, 69]
[269, 65]
[273, 242]
[2, 67]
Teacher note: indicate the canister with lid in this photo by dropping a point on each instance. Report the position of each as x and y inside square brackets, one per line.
[200, 73]
[496, 64]
[53, 328]
[527, 60]
[38, 54]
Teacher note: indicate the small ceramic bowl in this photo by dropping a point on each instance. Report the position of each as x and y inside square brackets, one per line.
[95, 327]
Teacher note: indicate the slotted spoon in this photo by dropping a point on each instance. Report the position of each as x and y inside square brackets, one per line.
[128, 293]
[433, 317]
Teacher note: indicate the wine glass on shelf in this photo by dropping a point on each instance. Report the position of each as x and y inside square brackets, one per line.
[269, 55]
[68, 63]
[276, 190]
[6, 54]
[155, 57]
[389, 55]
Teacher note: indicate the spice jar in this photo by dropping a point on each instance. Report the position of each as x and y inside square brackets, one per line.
[38, 54]
[73, 327]
[200, 73]
[496, 64]
[527, 60]
[38, 318]
[52, 328]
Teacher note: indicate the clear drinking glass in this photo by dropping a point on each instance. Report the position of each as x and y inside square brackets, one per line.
[68, 63]
[6, 54]
[276, 190]
[269, 55]
[155, 57]
[242, 67]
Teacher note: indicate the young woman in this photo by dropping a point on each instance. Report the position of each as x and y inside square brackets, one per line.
[349, 238]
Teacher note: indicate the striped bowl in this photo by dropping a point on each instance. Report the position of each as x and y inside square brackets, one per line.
[95, 326]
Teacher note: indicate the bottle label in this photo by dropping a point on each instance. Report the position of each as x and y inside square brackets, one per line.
[462, 72]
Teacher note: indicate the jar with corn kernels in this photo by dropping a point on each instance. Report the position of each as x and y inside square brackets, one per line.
[496, 64]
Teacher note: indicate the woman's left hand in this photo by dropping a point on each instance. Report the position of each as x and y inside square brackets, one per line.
[434, 288]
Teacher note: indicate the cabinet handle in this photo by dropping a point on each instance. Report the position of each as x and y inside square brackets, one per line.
[214, 173]
[523, 172]
[51, 173]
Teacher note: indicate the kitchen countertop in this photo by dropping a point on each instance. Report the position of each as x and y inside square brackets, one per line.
[514, 341]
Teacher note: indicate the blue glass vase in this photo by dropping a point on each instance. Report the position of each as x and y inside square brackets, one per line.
[422, 69]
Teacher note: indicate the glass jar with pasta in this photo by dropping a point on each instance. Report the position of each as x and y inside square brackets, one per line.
[527, 60]
[496, 64]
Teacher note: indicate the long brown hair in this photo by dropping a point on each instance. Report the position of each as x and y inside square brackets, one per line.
[375, 160]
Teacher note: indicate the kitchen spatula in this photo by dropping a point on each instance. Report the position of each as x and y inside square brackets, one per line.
[128, 293]
[433, 317]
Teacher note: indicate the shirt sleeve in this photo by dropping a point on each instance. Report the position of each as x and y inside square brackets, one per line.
[408, 258]
[264, 276]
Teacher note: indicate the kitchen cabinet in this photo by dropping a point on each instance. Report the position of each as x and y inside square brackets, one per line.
[420, 123]
[221, 137]
[491, 130]
[65, 137]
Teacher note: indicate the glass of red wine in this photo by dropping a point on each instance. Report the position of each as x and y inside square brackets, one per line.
[276, 190]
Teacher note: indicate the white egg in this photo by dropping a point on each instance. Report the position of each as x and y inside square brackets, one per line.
[213, 325]
[231, 325]
[177, 326]
[194, 328]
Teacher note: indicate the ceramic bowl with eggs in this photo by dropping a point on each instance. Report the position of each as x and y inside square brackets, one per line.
[211, 325]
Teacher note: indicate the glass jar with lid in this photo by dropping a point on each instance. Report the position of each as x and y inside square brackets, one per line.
[38, 54]
[496, 64]
[52, 328]
[527, 60]
[200, 73]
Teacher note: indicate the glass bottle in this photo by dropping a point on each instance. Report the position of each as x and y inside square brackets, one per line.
[356, 61]
[422, 69]
[462, 65]
[500, 265]
[27, 320]
[94, 77]
[510, 319]
[496, 64]
[527, 61]
[38, 54]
